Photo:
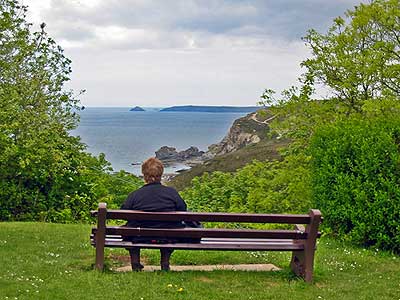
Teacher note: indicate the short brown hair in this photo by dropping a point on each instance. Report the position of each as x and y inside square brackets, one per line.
[152, 170]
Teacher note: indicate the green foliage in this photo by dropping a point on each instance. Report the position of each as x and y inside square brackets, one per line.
[358, 58]
[356, 179]
[352, 136]
[210, 192]
[344, 157]
[266, 149]
[259, 187]
[44, 172]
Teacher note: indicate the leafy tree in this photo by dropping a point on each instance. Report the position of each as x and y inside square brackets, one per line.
[44, 172]
[358, 58]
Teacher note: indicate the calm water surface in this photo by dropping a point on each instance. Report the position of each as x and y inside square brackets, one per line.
[129, 137]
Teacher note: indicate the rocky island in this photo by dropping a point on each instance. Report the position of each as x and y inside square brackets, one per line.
[137, 108]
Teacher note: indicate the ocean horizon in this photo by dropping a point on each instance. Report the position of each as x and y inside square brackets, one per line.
[129, 137]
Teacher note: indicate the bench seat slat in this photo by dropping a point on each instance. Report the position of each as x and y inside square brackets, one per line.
[207, 244]
[207, 232]
[245, 240]
[109, 235]
[210, 246]
[206, 217]
[209, 240]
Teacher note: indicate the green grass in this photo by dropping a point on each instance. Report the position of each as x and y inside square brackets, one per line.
[54, 261]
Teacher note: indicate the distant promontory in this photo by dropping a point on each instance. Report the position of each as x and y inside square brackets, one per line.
[214, 109]
[137, 108]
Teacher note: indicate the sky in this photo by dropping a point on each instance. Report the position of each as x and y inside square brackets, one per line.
[182, 52]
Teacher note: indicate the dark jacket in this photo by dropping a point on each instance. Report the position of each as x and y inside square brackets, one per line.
[155, 197]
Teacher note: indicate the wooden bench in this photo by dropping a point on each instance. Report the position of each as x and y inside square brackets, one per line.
[301, 240]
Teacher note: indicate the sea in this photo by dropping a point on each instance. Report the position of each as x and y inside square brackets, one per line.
[127, 138]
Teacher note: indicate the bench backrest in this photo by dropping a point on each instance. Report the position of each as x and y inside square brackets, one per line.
[311, 220]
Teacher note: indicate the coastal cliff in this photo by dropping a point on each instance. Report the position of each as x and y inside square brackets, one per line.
[250, 129]
[247, 140]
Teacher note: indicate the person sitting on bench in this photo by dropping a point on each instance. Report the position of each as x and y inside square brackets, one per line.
[154, 196]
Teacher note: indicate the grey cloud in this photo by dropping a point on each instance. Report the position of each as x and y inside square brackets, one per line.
[283, 19]
[185, 51]
[74, 31]
[148, 39]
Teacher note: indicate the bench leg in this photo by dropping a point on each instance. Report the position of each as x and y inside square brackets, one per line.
[297, 263]
[101, 236]
[165, 256]
[99, 256]
[302, 264]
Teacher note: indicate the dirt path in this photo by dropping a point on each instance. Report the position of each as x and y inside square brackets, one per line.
[242, 267]
[254, 118]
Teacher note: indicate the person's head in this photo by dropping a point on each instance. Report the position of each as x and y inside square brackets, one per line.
[152, 170]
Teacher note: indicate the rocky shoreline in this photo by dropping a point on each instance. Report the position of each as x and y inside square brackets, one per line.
[250, 129]
[247, 130]
[170, 155]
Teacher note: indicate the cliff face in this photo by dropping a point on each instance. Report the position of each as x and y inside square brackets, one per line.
[247, 130]
[246, 141]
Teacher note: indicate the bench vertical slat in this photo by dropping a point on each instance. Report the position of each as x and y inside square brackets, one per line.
[303, 261]
[101, 236]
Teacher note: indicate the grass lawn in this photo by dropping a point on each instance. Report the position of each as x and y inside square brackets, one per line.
[54, 261]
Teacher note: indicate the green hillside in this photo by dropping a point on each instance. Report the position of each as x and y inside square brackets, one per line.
[266, 149]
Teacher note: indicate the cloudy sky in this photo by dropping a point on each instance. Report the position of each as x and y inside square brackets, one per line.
[175, 52]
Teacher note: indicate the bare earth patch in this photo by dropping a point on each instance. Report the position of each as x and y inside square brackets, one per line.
[126, 259]
[204, 279]
[241, 267]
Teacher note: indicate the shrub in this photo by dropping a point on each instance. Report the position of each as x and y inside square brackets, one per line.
[259, 187]
[356, 179]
